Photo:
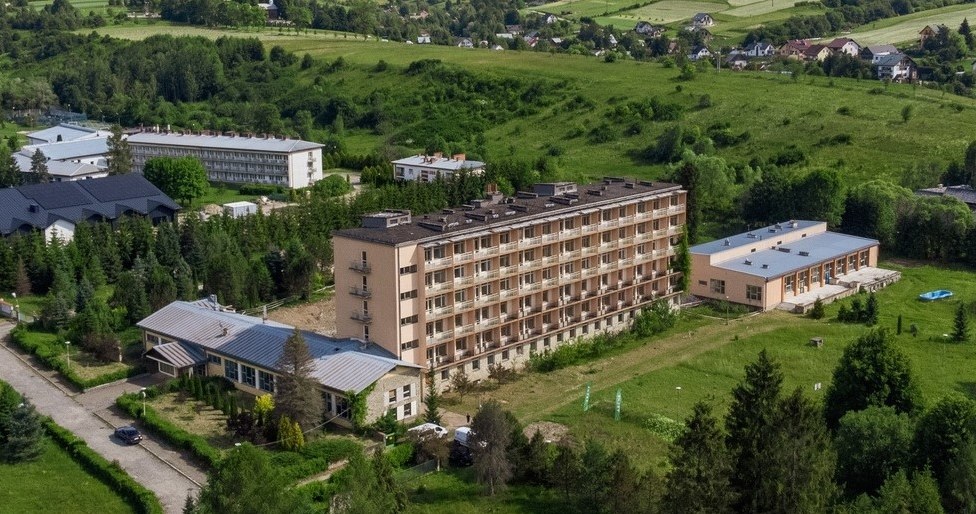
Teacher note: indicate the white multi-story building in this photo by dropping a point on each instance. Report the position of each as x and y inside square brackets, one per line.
[237, 159]
[428, 168]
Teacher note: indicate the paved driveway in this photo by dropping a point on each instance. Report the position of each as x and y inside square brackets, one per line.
[151, 464]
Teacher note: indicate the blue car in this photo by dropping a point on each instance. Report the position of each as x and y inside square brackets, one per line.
[128, 435]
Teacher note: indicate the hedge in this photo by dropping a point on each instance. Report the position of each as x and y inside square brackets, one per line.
[314, 458]
[52, 357]
[142, 499]
[203, 451]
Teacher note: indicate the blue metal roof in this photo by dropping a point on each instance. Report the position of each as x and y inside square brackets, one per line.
[242, 143]
[68, 150]
[751, 237]
[798, 255]
[75, 201]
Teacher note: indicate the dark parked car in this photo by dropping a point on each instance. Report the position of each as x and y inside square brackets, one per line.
[460, 455]
[128, 435]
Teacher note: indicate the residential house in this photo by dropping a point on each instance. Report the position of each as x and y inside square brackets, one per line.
[465, 42]
[56, 208]
[845, 45]
[513, 29]
[645, 28]
[505, 35]
[794, 49]
[761, 49]
[897, 68]
[203, 338]
[428, 168]
[787, 265]
[270, 9]
[874, 52]
[292, 163]
[611, 40]
[702, 19]
[699, 53]
[702, 32]
[928, 32]
[816, 53]
[423, 39]
[493, 282]
[737, 62]
[549, 19]
[964, 193]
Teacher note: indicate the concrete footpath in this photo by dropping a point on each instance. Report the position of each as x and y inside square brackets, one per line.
[91, 416]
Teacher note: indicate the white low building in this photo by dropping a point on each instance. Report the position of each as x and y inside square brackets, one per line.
[427, 168]
[292, 163]
[65, 132]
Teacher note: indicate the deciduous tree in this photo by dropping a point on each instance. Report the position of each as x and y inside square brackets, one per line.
[183, 178]
[245, 482]
[872, 444]
[490, 437]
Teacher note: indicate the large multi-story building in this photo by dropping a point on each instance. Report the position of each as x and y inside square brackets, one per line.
[492, 282]
[428, 168]
[236, 159]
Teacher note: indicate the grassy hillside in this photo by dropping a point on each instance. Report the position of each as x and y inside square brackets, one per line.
[904, 29]
[778, 111]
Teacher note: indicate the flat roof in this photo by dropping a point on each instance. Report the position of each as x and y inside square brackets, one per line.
[751, 237]
[801, 254]
[67, 150]
[518, 213]
[244, 143]
[440, 163]
[67, 131]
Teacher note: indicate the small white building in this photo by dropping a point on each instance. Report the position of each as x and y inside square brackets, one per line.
[293, 163]
[64, 132]
[427, 168]
[240, 209]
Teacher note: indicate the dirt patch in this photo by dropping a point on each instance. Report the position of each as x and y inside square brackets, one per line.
[316, 316]
[551, 432]
[194, 417]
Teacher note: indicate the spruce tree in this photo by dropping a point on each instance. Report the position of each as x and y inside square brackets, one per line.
[700, 480]
[40, 173]
[871, 310]
[490, 434]
[25, 434]
[298, 395]
[432, 399]
[749, 420]
[119, 153]
[960, 326]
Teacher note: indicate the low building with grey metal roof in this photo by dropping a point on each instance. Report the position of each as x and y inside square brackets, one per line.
[64, 132]
[428, 168]
[186, 338]
[774, 265]
[286, 162]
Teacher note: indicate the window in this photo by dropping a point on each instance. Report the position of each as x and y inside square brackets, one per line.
[410, 345]
[408, 320]
[459, 296]
[459, 272]
[505, 355]
[754, 293]
[406, 270]
[342, 407]
[789, 284]
[476, 364]
[434, 253]
[392, 396]
[717, 286]
[491, 361]
[213, 359]
[458, 248]
[406, 391]
[503, 238]
[248, 375]
[266, 381]
[167, 369]
[328, 402]
[504, 261]
[230, 370]
[408, 295]
[484, 266]
[408, 410]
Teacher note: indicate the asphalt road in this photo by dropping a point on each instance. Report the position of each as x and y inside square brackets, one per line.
[152, 465]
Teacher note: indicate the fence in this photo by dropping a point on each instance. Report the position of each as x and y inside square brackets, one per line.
[411, 474]
[268, 307]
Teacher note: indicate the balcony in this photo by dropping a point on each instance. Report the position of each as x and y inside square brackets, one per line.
[507, 247]
[463, 305]
[463, 257]
[437, 337]
[486, 298]
[438, 286]
[438, 263]
[362, 317]
[531, 241]
[486, 275]
[552, 259]
[360, 266]
[463, 281]
[361, 292]
[505, 294]
[571, 255]
[590, 250]
[508, 270]
[437, 312]
[548, 238]
[463, 330]
[570, 233]
[590, 228]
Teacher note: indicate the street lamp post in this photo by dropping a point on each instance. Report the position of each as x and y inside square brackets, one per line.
[143, 391]
[16, 308]
[726, 309]
[67, 352]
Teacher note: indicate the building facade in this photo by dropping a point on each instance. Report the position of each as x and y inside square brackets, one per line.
[791, 263]
[493, 282]
[201, 338]
[428, 168]
[291, 163]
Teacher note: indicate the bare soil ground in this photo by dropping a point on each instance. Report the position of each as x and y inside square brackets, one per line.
[316, 316]
[551, 432]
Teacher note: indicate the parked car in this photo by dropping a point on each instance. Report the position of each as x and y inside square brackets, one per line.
[427, 430]
[128, 435]
[460, 455]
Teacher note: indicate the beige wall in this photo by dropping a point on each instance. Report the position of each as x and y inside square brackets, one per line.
[382, 281]
[765, 241]
[378, 402]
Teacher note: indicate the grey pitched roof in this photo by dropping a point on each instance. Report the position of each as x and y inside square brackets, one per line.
[62, 169]
[439, 163]
[891, 59]
[67, 131]
[801, 255]
[69, 150]
[339, 364]
[178, 354]
[964, 193]
[243, 143]
[881, 49]
[75, 201]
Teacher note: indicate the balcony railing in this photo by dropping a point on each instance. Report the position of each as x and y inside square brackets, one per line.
[361, 292]
[362, 316]
[360, 266]
[439, 336]
[463, 257]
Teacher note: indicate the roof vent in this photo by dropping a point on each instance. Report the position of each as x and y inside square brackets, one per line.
[804, 254]
[727, 243]
[750, 235]
[765, 266]
[748, 262]
[33, 207]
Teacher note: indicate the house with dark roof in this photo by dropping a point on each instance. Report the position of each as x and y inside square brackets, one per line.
[787, 266]
[874, 52]
[702, 19]
[759, 49]
[794, 48]
[844, 45]
[896, 68]
[204, 338]
[57, 207]
[645, 28]
[964, 193]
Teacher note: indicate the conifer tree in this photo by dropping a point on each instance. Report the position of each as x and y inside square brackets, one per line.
[119, 153]
[25, 434]
[700, 480]
[490, 434]
[432, 399]
[39, 170]
[960, 326]
[297, 395]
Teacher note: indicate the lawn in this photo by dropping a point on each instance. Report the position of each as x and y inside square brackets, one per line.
[668, 374]
[904, 29]
[220, 195]
[55, 483]
[456, 491]
[195, 417]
